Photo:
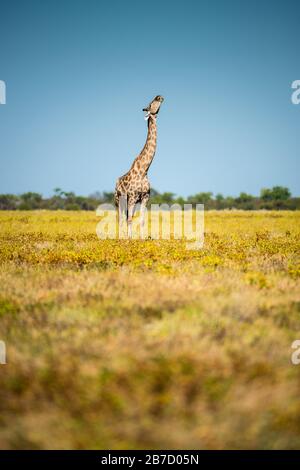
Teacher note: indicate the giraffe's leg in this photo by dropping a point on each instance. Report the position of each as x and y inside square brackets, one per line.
[120, 219]
[142, 216]
[129, 219]
[122, 210]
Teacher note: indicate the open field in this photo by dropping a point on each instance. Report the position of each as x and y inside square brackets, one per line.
[144, 344]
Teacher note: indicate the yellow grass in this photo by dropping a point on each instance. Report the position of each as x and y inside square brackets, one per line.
[144, 344]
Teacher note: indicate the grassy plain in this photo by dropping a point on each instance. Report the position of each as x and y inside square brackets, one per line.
[144, 344]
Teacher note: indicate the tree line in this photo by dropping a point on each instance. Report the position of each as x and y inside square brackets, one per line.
[276, 198]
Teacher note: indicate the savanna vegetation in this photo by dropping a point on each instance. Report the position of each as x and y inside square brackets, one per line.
[277, 198]
[127, 344]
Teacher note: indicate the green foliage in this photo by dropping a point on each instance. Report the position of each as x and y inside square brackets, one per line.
[8, 201]
[200, 198]
[7, 307]
[244, 197]
[276, 198]
[277, 193]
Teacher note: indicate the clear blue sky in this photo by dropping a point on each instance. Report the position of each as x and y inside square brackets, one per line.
[78, 74]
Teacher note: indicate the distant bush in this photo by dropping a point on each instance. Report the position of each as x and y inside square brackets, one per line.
[277, 193]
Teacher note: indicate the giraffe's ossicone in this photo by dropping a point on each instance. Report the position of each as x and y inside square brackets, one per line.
[134, 186]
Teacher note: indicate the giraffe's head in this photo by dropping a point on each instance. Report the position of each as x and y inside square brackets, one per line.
[154, 106]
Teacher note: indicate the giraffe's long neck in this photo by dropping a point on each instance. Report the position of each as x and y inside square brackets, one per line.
[144, 159]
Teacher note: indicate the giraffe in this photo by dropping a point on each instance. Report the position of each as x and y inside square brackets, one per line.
[134, 186]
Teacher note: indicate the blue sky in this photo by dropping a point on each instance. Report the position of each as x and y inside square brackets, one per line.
[78, 74]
